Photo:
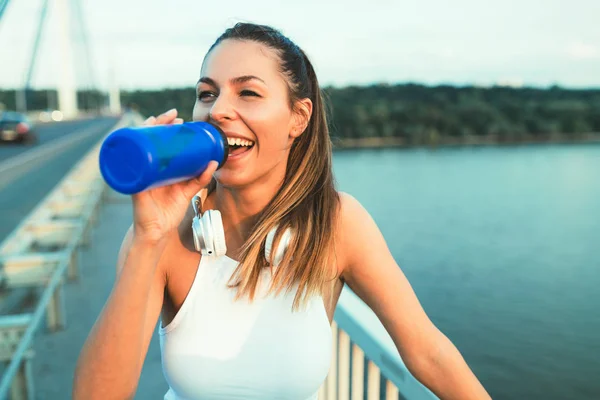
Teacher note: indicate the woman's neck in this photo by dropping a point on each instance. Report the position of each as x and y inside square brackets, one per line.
[240, 208]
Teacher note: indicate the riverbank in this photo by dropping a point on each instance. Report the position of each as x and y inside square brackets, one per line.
[464, 141]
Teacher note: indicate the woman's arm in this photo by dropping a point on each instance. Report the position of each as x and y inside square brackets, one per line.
[111, 360]
[112, 357]
[372, 273]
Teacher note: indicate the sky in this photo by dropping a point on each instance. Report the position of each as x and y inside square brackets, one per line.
[152, 44]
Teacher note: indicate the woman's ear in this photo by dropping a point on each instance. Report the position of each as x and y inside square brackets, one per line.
[302, 114]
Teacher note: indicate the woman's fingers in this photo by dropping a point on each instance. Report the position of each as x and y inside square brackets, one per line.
[166, 118]
[150, 121]
[194, 185]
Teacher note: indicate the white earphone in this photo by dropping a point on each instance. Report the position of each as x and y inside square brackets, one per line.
[283, 244]
[209, 236]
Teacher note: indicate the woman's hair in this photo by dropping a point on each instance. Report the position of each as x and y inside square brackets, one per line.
[307, 201]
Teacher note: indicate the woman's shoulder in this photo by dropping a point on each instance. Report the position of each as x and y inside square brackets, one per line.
[360, 239]
[346, 199]
[350, 210]
[352, 220]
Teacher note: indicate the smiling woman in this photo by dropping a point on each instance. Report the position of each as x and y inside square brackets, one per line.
[255, 322]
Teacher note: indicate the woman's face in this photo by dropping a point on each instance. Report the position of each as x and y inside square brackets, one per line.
[242, 91]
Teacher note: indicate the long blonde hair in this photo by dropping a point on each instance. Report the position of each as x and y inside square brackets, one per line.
[307, 201]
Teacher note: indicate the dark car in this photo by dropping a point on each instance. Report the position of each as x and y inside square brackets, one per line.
[16, 127]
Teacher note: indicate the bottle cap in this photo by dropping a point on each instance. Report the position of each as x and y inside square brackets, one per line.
[125, 161]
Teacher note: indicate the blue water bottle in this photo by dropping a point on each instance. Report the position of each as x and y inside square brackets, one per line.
[134, 159]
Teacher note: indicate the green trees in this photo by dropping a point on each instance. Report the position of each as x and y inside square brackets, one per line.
[505, 113]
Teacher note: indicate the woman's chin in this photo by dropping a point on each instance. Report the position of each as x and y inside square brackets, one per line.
[232, 178]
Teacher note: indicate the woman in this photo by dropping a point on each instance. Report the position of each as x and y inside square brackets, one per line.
[246, 325]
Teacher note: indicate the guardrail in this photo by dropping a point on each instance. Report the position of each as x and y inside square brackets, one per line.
[41, 253]
[361, 343]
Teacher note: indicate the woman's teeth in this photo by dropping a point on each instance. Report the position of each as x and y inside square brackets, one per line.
[239, 142]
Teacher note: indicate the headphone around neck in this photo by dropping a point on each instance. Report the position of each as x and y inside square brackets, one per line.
[209, 235]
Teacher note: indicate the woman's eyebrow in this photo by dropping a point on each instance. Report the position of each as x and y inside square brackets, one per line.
[208, 81]
[233, 81]
[245, 78]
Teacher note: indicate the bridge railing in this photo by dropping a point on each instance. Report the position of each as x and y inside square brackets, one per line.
[365, 363]
[39, 255]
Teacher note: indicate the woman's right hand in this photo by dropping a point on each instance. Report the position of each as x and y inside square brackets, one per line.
[158, 211]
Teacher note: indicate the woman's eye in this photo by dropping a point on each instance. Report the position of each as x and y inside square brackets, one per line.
[205, 95]
[249, 93]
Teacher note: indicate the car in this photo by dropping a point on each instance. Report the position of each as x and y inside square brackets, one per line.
[15, 127]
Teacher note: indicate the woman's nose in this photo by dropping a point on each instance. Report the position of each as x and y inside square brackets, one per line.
[221, 109]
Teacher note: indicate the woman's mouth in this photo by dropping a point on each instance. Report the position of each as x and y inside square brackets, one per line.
[238, 146]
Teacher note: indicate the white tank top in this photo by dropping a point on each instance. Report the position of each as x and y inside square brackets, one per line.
[217, 348]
